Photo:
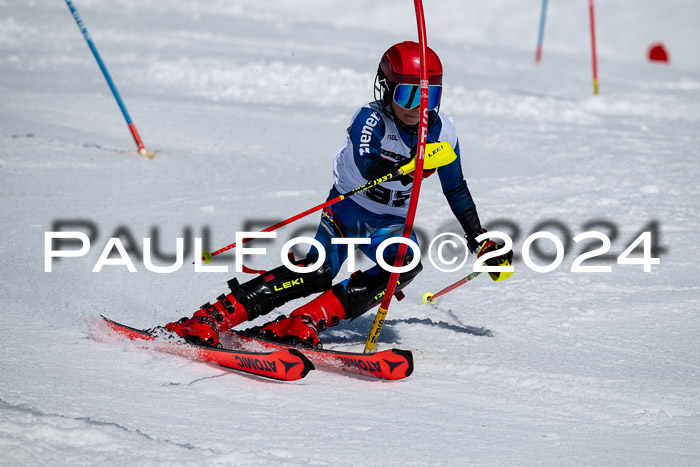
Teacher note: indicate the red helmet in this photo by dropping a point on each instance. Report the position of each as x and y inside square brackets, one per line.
[401, 64]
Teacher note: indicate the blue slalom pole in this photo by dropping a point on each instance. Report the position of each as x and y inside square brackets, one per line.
[540, 36]
[105, 72]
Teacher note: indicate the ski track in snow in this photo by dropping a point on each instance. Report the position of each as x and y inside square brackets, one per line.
[248, 102]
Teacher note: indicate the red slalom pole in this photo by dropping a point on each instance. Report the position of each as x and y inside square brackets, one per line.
[417, 179]
[593, 50]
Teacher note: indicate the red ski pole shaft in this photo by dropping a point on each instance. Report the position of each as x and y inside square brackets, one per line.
[357, 190]
[430, 297]
[440, 155]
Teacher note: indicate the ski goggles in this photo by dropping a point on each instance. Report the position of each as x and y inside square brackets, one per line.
[408, 96]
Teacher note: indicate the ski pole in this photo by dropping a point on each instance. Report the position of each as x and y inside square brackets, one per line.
[429, 297]
[207, 256]
[440, 154]
[132, 128]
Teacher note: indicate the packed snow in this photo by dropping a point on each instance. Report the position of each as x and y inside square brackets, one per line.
[247, 102]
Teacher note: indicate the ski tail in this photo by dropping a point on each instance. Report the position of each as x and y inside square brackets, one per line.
[282, 365]
[392, 364]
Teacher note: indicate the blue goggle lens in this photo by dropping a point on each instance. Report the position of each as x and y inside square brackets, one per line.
[408, 96]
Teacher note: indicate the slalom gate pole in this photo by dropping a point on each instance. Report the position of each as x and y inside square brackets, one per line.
[132, 128]
[593, 49]
[429, 297]
[417, 179]
[540, 35]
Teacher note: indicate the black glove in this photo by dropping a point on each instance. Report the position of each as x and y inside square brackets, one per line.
[472, 228]
[380, 168]
[491, 245]
[384, 166]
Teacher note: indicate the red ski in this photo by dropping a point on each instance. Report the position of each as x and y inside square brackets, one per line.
[287, 364]
[389, 364]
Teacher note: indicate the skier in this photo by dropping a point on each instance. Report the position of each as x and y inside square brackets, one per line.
[382, 136]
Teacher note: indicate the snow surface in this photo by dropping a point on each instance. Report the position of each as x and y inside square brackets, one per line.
[248, 102]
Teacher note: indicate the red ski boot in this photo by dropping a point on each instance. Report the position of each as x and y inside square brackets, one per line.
[304, 323]
[207, 323]
[247, 301]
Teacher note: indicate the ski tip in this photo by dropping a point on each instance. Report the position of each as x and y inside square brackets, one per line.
[308, 366]
[408, 355]
[111, 323]
[128, 331]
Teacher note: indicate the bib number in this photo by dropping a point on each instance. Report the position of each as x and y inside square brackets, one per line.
[383, 195]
